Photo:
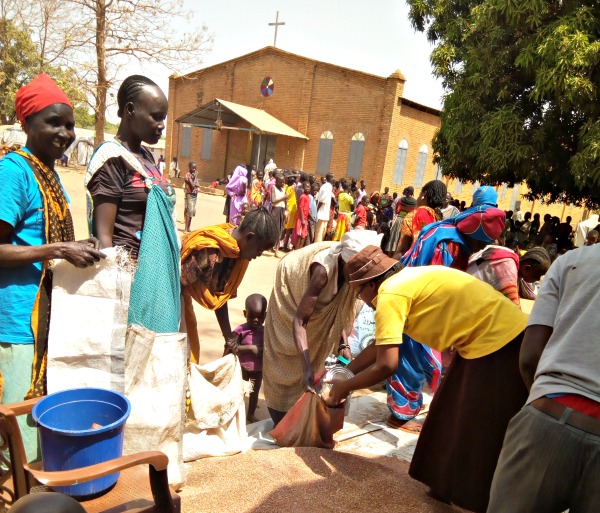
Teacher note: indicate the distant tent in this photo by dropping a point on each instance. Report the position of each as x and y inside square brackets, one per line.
[11, 135]
[80, 151]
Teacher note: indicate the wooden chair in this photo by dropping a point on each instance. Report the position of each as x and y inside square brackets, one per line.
[139, 489]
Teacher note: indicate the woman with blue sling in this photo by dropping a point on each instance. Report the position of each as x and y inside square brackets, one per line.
[131, 204]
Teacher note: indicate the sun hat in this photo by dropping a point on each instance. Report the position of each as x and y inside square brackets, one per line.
[368, 264]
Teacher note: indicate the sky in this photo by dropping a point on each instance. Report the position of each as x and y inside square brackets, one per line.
[375, 37]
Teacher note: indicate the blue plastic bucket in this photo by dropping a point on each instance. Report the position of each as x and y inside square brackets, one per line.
[81, 427]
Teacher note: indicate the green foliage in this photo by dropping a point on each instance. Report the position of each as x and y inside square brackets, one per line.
[523, 92]
[110, 128]
[83, 117]
[19, 63]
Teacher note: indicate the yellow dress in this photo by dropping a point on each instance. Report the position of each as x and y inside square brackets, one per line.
[292, 205]
[345, 202]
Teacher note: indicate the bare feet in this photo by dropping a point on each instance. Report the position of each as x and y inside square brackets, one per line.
[251, 419]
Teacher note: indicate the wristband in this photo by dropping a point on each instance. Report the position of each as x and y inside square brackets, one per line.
[343, 346]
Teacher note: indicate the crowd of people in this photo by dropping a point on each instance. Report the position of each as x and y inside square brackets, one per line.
[313, 209]
[515, 420]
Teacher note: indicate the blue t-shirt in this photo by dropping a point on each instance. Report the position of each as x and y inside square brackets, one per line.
[21, 206]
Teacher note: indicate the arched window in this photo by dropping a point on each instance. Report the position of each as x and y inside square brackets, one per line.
[438, 172]
[503, 191]
[458, 187]
[324, 156]
[475, 186]
[400, 162]
[355, 157]
[421, 161]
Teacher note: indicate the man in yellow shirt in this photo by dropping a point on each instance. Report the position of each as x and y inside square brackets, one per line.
[460, 441]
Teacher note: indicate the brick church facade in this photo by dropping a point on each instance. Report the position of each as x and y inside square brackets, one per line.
[314, 116]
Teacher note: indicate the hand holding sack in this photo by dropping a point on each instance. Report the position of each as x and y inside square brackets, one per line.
[309, 423]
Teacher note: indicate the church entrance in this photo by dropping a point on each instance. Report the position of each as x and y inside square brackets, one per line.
[263, 149]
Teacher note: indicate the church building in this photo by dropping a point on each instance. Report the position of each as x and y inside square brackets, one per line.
[313, 116]
[304, 114]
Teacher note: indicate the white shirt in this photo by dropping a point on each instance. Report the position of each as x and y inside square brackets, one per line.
[361, 194]
[324, 201]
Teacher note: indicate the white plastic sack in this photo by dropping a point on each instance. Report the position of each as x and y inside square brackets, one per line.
[216, 424]
[363, 331]
[155, 384]
[88, 323]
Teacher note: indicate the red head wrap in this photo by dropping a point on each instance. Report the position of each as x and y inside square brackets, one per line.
[41, 92]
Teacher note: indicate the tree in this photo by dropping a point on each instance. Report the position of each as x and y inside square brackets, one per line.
[18, 65]
[21, 59]
[523, 92]
[93, 40]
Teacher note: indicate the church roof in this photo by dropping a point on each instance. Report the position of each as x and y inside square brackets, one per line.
[397, 74]
[283, 53]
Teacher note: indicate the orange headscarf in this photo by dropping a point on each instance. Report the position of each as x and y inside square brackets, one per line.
[215, 237]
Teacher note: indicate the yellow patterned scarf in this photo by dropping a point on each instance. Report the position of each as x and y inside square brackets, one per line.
[58, 228]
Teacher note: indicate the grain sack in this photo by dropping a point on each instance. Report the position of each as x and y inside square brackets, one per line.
[88, 323]
[216, 424]
[309, 423]
[155, 384]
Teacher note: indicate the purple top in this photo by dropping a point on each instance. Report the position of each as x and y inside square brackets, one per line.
[251, 336]
[235, 188]
[238, 180]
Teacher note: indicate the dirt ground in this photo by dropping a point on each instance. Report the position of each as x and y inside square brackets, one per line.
[209, 211]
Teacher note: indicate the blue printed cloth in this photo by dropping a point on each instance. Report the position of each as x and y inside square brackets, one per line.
[416, 363]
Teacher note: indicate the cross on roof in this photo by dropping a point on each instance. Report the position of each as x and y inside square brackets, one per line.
[276, 25]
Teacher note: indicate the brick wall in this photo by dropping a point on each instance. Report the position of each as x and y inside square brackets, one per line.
[309, 96]
[417, 127]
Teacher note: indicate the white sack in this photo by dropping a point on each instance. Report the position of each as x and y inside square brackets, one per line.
[216, 424]
[88, 323]
[155, 384]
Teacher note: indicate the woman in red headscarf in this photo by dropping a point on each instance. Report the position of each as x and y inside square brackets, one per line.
[35, 227]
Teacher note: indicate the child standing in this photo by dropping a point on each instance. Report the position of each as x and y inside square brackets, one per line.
[360, 214]
[191, 195]
[302, 216]
[250, 347]
[312, 217]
